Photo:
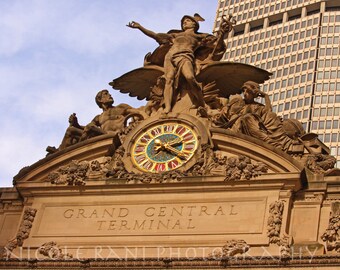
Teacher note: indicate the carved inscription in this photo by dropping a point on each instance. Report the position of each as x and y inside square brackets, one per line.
[145, 219]
[153, 218]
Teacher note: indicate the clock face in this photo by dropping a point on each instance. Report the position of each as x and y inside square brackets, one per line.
[164, 147]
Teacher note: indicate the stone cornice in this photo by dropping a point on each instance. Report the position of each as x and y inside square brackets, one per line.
[178, 263]
[284, 181]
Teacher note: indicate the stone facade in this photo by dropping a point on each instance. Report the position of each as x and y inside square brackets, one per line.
[283, 212]
[192, 180]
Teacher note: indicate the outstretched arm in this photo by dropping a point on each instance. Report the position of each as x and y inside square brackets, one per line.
[145, 31]
[160, 38]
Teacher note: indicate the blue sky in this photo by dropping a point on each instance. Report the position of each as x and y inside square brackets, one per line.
[55, 55]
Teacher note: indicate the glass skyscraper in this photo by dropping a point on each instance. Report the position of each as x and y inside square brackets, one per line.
[298, 41]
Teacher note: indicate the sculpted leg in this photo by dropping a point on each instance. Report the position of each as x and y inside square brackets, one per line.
[168, 88]
[196, 90]
[72, 136]
[168, 93]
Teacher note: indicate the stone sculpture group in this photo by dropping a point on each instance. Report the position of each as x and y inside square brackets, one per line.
[184, 75]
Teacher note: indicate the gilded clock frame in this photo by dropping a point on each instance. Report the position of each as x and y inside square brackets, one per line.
[164, 147]
[198, 128]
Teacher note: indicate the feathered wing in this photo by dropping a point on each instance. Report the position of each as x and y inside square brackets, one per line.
[219, 79]
[228, 77]
[138, 82]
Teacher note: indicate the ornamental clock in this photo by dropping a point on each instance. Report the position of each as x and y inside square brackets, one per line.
[163, 145]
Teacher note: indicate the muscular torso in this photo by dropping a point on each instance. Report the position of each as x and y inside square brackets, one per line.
[186, 41]
[112, 120]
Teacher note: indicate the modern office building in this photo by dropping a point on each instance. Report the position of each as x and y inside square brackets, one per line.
[298, 41]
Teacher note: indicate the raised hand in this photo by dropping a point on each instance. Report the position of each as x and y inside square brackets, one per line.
[73, 120]
[134, 24]
[261, 93]
[227, 24]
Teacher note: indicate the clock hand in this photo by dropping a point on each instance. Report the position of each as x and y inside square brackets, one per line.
[178, 153]
[175, 142]
[158, 145]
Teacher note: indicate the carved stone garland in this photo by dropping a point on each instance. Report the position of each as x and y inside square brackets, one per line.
[230, 249]
[52, 251]
[22, 234]
[241, 168]
[233, 168]
[274, 224]
[77, 172]
[331, 235]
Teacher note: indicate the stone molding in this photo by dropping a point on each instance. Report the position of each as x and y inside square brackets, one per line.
[178, 263]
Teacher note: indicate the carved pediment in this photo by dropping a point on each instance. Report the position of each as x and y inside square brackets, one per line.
[229, 157]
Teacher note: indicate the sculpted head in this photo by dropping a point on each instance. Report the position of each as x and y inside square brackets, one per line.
[188, 22]
[250, 91]
[104, 97]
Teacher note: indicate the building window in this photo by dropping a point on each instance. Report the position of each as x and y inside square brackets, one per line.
[275, 22]
[314, 125]
[298, 115]
[293, 106]
[321, 124]
[317, 100]
[334, 137]
[327, 138]
[291, 18]
[305, 114]
[328, 124]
